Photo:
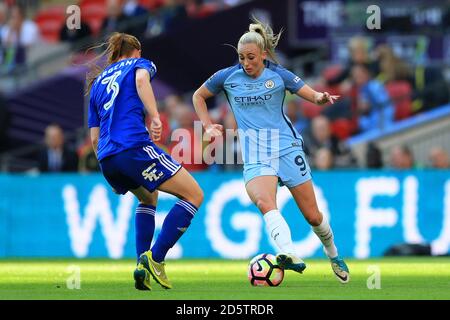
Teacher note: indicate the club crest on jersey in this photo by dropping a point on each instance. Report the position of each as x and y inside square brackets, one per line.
[151, 174]
[269, 84]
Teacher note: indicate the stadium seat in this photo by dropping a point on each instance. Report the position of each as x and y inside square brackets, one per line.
[342, 128]
[310, 110]
[151, 4]
[93, 12]
[400, 93]
[205, 10]
[49, 21]
[331, 72]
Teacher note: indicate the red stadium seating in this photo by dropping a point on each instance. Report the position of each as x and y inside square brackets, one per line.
[342, 128]
[93, 12]
[400, 93]
[310, 110]
[151, 4]
[206, 10]
[50, 21]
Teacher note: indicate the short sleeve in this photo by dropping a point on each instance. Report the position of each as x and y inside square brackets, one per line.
[147, 65]
[93, 118]
[292, 82]
[216, 81]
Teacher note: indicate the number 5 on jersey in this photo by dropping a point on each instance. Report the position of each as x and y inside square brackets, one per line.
[113, 86]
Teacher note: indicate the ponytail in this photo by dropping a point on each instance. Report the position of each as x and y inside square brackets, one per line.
[118, 45]
[263, 36]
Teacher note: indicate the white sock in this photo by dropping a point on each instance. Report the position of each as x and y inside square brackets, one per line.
[279, 231]
[325, 234]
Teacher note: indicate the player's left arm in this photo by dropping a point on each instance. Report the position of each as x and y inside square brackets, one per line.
[295, 85]
[95, 134]
[320, 98]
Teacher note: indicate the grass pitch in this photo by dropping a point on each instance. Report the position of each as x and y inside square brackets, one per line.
[400, 278]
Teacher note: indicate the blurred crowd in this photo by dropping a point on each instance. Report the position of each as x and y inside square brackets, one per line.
[325, 150]
[376, 88]
[24, 24]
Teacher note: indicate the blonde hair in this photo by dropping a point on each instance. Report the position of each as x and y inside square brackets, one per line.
[262, 35]
[119, 45]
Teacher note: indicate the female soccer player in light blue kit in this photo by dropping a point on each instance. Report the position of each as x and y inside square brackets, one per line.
[272, 149]
[130, 161]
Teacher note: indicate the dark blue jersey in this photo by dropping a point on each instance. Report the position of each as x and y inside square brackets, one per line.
[116, 108]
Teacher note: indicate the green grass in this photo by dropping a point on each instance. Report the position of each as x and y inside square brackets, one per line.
[401, 278]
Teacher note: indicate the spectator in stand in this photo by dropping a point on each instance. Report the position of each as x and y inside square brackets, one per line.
[87, 159]
[323, 159]
[115, 20]
[132, 9]
[74, 36]
[16, 38]
[293, 112]
[187, 146]
[136, 17]
[439, 158]
[401, 157]
[373, 102]
[359, 54]
[392, 68]
[3, 15]
[374, 157]
[320, 136]
[56, 156]
[4, 122]
[232, 154]
[430, 88]
[173, 14]
[171, 104]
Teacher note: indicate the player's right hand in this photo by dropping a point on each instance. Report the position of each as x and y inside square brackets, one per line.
[156, 129]
[214, 130]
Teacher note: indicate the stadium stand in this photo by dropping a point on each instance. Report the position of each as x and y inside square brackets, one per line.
[50, 68]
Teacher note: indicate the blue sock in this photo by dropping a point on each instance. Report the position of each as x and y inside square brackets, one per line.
[145, 227]
[175, 224]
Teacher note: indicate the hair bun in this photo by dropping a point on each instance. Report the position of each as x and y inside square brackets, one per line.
[256, 27]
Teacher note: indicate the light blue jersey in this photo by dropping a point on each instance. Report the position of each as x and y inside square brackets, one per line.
[265, 132]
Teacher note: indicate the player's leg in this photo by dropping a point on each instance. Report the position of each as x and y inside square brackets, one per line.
[145, 228]
[190, 195]
[145, 218]
[306, 201]
[262, 191]
[121, 183]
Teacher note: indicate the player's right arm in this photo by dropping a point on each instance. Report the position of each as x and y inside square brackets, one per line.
[199, 100]
[145, 92]
[209, 89]
[95, 134]
[93, 123]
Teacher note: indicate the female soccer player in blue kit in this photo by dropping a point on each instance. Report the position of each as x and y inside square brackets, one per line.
[272, 149]
[130, 161]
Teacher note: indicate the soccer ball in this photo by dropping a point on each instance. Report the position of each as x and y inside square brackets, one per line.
[263, 271]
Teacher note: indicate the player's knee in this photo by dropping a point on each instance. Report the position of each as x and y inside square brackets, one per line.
[198, 197]
[314, 220]
[149, 199]
[264, 204]
[195, 197]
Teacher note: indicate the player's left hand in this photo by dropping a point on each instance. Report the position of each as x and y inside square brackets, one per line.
[156, 129]
[325, 97]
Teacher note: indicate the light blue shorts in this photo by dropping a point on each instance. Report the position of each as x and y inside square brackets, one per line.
[292, 169]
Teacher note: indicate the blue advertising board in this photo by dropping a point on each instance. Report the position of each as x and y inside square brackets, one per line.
[79, 216]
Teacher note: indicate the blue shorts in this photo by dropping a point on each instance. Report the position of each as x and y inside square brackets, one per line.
[292, 169]
[147, 166]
